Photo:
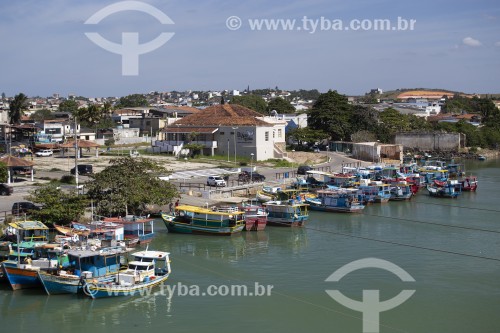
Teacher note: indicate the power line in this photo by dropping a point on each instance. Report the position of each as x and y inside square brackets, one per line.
[434, 223]
[457, 206]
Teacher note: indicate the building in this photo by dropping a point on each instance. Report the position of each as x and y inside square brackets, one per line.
[431, 141]
[378, 152]
[226, 129]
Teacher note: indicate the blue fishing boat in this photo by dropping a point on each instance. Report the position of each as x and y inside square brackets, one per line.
[199, 220]
[81, 264]
[289, 213]
[447, 189]
[26, 259]
[401, 191]
[336, 200]
[147, 270]
[135, 227]
[375, 192]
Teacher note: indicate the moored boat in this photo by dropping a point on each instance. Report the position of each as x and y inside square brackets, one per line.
[147, 270]
[136, 228]
[200, 220]
[446, 190]
[255, 217]
[336, 200]
[401, 191]
[81, 264]
[289, 213]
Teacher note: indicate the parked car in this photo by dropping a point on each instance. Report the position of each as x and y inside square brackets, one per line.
[23, 207]
[83, 169]
[245, 176]
[302, 169]
[216, 181]
[44, 152]
[6, 189]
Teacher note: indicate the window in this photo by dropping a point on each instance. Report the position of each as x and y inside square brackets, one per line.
[148, 123]
[221, 133]
[279, 133]
[267, 136]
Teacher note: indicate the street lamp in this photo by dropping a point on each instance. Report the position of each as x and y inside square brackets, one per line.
[251, 167]
[234, 138]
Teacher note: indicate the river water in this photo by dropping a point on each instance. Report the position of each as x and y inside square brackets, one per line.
[450, 247]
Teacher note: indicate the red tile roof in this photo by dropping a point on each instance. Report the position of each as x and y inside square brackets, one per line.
[223, 115]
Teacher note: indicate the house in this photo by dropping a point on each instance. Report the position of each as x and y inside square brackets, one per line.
[226, 129]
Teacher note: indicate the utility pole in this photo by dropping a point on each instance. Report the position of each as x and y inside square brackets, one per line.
[76, 159]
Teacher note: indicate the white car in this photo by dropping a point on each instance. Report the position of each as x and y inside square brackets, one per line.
[44, 153]
[216, 181]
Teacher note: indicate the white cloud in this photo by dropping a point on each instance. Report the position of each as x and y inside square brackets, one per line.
[469, 41]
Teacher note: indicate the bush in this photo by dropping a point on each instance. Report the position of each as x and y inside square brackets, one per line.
[68, 179]
[243, 163]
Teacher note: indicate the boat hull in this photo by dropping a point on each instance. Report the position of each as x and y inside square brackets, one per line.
[352, 209]
[54, 284]
[285, 222]
[195, 228]
[20, 278]
[101, 290]
[255, 223]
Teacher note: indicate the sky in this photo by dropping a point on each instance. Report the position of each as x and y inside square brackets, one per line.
[216, 45]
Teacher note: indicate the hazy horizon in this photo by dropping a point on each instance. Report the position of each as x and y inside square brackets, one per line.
[454, 45]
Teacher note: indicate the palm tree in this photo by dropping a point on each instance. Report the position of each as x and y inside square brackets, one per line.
[16, 108]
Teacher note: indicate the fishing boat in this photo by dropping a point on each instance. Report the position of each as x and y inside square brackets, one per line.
[135, 228]
[200, 220]
[468, 184]
[447, 190]
[76, 229]
[267, 193]
[341, 200]
[289, 213]
[81, 264]
[147, 270]
[255, 217]
[401, 191]
[23, 261]
[481, 158]
[375, 192]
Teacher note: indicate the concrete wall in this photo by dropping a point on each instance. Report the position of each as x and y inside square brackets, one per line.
[431, 141]
[246, 141]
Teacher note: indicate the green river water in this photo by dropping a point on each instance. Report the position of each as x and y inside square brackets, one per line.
[454, 258]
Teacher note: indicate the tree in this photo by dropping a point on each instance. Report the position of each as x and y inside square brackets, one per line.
[16, 107]
[253, 102]
[57, 206]
[89, 116]
[363, 136]
[132, 101]
[331, 114]
[128, 185]
[69, 105]
[3, 172]
[280, 105]
[41, 115]
[306, 134]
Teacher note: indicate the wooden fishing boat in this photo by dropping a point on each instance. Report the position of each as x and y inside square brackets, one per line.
[72, 230]
[337, 200]
[255, 217]
[25, 259]
[147, 270]
[137, 228]
[401, 191]
[200, 220]
[289, 213]
[447, 190]
[81, 264]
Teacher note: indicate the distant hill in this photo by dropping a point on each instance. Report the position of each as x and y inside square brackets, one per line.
[420, 93]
